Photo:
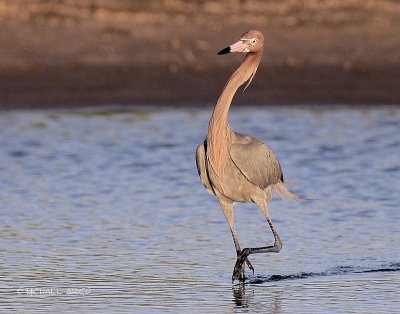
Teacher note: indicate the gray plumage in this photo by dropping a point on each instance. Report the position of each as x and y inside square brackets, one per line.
[249, 160]
[236, 167]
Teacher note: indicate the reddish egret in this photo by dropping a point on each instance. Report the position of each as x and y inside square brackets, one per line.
[236, 167]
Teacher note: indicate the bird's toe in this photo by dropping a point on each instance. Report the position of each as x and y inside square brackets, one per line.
[249, 265]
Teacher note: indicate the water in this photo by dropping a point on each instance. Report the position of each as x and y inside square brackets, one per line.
[104, 212]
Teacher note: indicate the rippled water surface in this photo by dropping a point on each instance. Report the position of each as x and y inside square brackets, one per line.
[103, 211]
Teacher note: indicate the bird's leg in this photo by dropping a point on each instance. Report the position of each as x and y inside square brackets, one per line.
[239, 266]
[239, 251]
[227, 209]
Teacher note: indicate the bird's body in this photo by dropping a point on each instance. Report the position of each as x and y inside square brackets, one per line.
[250, 170]
[236, 167]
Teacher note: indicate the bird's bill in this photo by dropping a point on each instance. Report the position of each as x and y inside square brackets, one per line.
[239, 46]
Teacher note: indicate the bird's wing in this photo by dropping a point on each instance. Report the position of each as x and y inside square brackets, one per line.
[202, 168]
[256, 162]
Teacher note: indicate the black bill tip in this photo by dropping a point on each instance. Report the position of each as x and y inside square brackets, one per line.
[225, 51]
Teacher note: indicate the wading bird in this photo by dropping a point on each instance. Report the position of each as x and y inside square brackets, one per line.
[236, 167]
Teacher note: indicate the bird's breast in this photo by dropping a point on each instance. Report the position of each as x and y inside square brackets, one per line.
[231, 184]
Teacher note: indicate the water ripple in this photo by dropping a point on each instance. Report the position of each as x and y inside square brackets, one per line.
[340, 270]
[103, 211]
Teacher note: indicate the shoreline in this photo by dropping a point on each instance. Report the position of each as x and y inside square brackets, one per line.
[161, 52]
[82, 85]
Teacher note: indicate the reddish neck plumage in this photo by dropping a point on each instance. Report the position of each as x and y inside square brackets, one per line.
[219, 137]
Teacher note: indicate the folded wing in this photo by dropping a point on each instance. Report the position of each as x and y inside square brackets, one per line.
[256, 162]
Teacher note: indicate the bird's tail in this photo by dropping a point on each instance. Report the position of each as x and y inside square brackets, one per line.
[282, 191]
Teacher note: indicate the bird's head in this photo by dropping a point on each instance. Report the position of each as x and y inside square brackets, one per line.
[252, 41]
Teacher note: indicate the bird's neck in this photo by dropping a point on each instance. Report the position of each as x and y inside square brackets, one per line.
[219, 137]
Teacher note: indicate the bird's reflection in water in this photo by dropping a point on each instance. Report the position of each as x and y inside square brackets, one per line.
[246, 298]
[241, 297]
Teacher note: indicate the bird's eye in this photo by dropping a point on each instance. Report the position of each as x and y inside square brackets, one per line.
[253, 41]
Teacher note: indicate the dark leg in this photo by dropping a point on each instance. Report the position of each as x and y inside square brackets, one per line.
[239, 266]
[227, 209]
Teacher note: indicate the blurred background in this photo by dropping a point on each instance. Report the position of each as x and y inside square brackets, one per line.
[89, 52]
[107, 198]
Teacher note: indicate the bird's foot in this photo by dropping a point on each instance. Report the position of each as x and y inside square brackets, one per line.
[247, 262]
[238, 270]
